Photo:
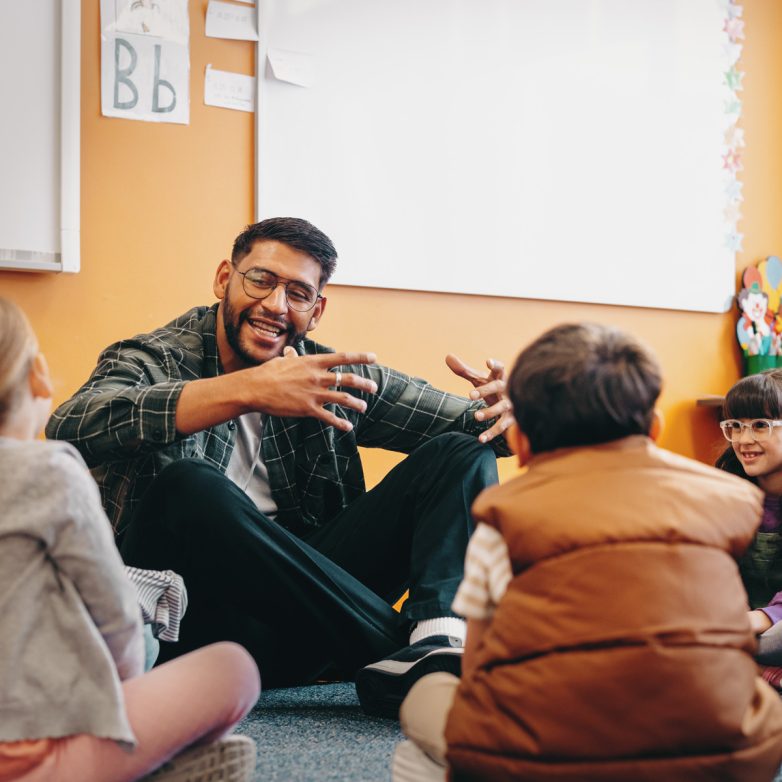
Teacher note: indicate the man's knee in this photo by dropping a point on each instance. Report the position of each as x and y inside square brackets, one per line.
[189, 493]
[182, 474]
[455, 447]
[193, 483]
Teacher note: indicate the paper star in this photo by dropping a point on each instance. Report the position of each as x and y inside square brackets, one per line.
[734, 137]
[732, 106]
[734, 10]
[733, 79]
[734, 28]
[734, 241]
[732, 52]
[732, 214]
[731, 161]
[733, 190]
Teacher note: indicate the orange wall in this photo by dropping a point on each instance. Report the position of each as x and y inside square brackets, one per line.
[161, 205]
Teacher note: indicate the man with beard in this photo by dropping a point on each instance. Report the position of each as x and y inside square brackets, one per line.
[225, 445]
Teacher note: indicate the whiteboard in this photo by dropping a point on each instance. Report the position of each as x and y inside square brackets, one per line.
[39, 134]
[551, 149]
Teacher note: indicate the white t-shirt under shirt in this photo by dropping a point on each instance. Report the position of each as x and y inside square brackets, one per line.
[247, 468]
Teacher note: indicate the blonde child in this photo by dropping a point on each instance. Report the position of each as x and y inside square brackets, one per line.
[74, 701]
[607, 633]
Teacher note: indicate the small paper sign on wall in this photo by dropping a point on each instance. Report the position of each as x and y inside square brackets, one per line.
[229, 90]
[292, 67]
[226, 20]
[145, 60]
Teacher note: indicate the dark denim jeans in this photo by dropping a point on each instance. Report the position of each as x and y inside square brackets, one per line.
[302, 605]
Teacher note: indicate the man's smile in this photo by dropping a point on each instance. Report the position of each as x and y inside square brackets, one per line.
[266, 329]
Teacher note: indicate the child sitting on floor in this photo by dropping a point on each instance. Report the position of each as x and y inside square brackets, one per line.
[752, 424]
[607, 631]
[74, 701]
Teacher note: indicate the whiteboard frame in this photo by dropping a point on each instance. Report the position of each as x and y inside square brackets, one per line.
[70, 139]
[69, 257]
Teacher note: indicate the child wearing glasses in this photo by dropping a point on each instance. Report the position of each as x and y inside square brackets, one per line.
[753, 425]
[75, 703]
[607, 636]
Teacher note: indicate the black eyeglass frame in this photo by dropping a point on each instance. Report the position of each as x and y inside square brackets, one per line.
[284, 281]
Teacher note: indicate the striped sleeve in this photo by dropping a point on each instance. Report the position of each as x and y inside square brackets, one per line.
[487, 573]
[163, 600]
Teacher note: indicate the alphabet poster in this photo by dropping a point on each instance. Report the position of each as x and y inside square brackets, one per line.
[145, 60]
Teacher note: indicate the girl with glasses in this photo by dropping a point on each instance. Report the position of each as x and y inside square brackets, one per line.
[752, 424]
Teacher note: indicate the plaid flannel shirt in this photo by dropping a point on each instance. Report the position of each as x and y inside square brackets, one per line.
[122, 420]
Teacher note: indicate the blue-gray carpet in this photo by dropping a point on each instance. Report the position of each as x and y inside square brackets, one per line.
[319, 733]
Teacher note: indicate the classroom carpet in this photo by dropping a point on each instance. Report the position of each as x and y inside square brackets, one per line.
[319, 733]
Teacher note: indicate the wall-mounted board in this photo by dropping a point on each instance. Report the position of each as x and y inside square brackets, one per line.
[40, 59]
[551, 149]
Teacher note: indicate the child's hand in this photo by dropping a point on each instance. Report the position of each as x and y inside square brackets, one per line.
[759, 621]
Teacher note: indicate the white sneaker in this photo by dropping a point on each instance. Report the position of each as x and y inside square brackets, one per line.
[230, 759]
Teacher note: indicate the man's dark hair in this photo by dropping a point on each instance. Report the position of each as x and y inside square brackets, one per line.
[754, 396]
[296, 233]
[582, 384]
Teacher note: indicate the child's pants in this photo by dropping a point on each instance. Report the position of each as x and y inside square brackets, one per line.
[194, 699]
[423, 715]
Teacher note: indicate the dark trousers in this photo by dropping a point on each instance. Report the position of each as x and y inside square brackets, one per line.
[302, 605]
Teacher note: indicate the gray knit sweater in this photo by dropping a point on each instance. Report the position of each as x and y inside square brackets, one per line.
[70, 626]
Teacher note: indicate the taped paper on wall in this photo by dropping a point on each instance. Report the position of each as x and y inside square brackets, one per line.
[167, 20]
[145, 60]
[229, 90]
[225, 20]
[293, 67]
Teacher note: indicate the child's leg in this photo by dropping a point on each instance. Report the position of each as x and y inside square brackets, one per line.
[412, 764]
[424, 712]
[423, 715]
[193, 699]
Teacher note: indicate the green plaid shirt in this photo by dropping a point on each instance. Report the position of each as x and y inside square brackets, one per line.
[122, 420]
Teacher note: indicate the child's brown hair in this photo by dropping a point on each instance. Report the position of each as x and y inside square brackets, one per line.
[582, 384]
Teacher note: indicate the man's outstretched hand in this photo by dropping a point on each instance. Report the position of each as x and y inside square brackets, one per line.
[289, 385]
[300, 386]
[491, 389]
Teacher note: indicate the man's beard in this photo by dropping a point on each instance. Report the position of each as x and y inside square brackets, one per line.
[233, 324]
